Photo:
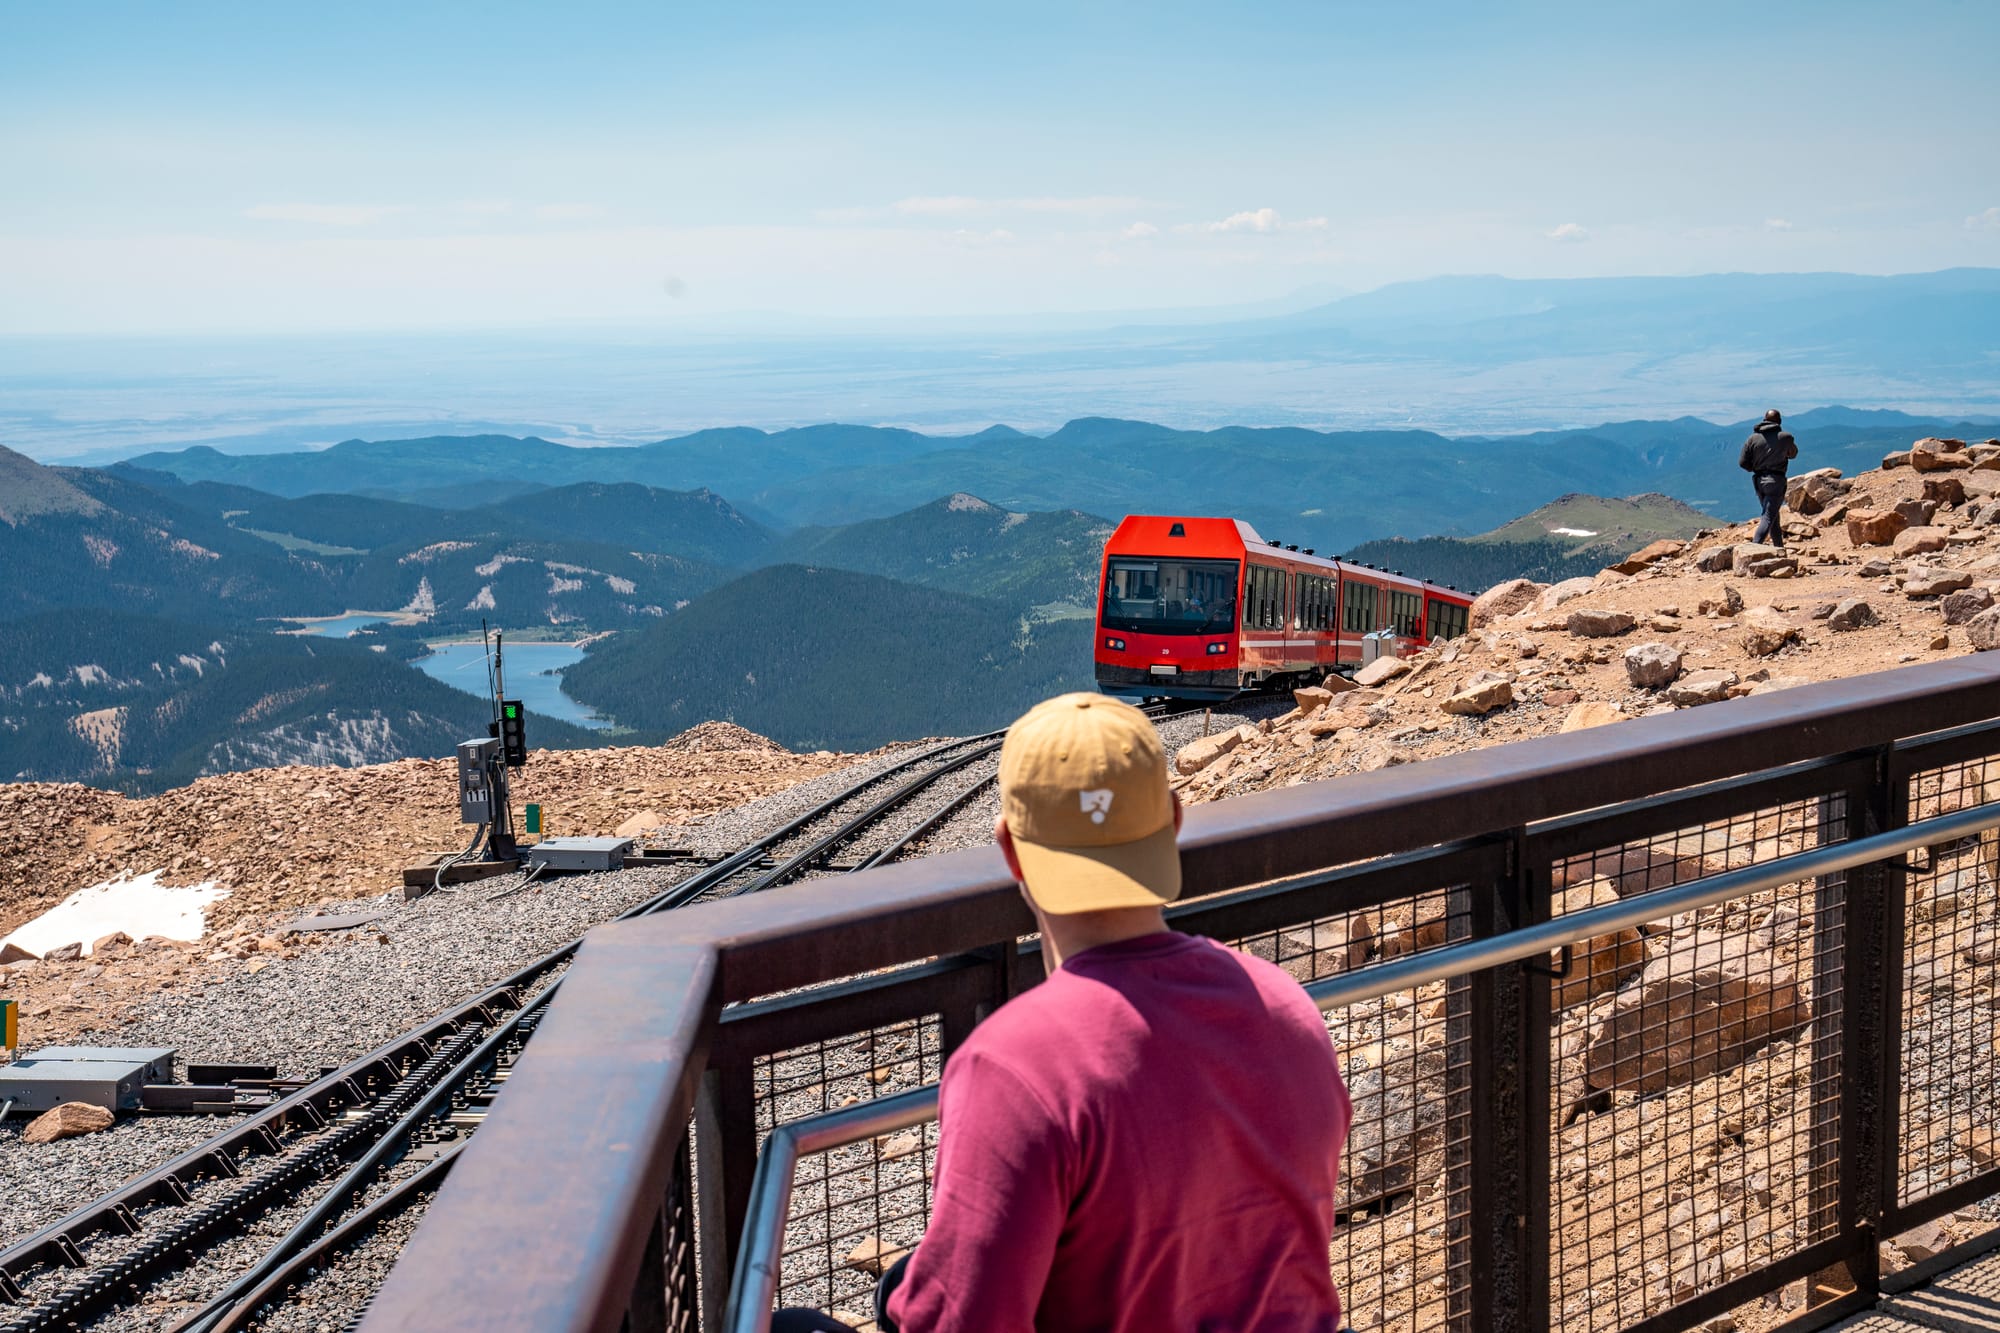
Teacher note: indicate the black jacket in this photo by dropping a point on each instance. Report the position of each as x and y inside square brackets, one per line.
[1768, 449]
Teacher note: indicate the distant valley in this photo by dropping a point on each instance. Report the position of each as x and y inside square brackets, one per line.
[874, 584]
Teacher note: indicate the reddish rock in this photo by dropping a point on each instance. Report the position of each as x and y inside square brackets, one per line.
[1699, 1008]
[1920, 541]
[1648, 556]
[1311, 699]
[1591, 623]
[1504, 599]
[1944, 491]
[1874, 527]
[1480, 698]
[1652, 666]
[66, 1122]
[1851, 614]
[1983, 630]
[1603, 962]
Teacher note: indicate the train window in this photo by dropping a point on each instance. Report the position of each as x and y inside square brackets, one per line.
[1447, 621]
[1406, 614]
[1358, 602]
[1146, 596]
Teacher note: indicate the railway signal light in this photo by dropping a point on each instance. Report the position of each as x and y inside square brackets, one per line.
[513, 733]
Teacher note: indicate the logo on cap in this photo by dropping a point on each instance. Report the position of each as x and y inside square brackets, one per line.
[1096, 804]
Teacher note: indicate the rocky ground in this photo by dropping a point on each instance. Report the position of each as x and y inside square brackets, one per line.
[1898, 565]
[1685, 1080]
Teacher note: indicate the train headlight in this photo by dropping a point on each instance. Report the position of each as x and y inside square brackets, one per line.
[1116, 644]
[1216, 649]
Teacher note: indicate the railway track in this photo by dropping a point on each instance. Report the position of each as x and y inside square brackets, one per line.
[325, 1151]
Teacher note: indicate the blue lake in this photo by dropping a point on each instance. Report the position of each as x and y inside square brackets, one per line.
[531, 678]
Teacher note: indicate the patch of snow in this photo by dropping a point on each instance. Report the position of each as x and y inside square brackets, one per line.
[623, 587]
[424, 604]
[194, 664]
[558, 567]
[43, 679]
[425, 554]
[215, 648]
[91, 675]
[139, 907]
[484, 601]
[1572, 532]
[498, 563]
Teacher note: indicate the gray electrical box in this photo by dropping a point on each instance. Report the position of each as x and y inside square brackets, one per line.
[580, 853]
[158, 1060]
[42, 1085]
[475, 787]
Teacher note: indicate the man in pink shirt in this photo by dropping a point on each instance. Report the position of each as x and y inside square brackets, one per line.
[1150, 1139]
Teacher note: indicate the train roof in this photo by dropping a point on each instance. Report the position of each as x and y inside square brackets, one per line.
[1199, 538]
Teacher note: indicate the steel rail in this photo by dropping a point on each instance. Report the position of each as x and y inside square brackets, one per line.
[57, 1243]
[401, 1195]
[248, 1292]
[754, 1285]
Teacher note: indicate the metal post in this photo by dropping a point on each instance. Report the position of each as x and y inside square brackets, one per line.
[648, 1311]
[725, 1135]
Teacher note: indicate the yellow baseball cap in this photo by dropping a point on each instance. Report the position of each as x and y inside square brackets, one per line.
[1083, 786]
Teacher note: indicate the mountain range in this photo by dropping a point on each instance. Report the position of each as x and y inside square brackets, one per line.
[940, 581]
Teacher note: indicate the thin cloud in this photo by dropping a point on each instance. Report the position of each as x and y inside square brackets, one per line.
[322, 215]
[568, 213]
[1987, 221]
[1569, 233]
[1259, 221]
[1089, 205]
[1138, 231]
[939, 205]
[1777, 224]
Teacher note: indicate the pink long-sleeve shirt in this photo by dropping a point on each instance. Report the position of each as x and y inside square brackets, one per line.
[1149, 1140]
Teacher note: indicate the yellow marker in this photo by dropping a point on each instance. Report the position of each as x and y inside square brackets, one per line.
[10, 1023]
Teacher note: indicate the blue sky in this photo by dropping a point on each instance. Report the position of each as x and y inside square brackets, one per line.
[300, 168]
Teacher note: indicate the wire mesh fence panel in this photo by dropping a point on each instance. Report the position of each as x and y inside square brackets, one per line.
[1695, 1071]
[1391, 1256]
[1950, 1117]
[683, 1294]
[856, 1208]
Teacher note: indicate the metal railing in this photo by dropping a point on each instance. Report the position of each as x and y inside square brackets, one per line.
[1533, 1147]
[754, 1289]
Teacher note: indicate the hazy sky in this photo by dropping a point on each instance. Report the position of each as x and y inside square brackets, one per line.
[295, 168]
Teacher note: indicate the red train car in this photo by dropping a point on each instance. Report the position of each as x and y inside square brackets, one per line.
[1204, 608]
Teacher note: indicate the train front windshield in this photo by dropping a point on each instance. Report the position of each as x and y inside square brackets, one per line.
[1144, 596]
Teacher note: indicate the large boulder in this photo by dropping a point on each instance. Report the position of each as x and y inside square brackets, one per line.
[1851, 614]
[1556, 594]
[1920, 541]
[1199, 754]
[1380, 670]
[66, 1121]
[1649, 555]
[1311, 699]
[1765, 631]
[1810, 492]
[1591, 713]
[1917, 513]
[1938, 455]
[1603, 962]
[1931, 581]
[1700, 1007]
[1397, 1141]
[1652, 666]
[1596, 623]
[1505, 599]
[1707, 686]
[1983, 630]
[1874, 527]
[1944, 491]
[1716, 559]
[1964, 604]
[1479, 698]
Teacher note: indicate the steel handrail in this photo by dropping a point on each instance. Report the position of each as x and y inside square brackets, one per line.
[754, 1286]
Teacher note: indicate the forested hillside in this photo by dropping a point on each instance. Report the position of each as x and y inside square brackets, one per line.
[823, 658]
[145, 703]
[963, 544]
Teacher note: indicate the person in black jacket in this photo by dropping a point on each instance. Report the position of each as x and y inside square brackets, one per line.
[1765, 454]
